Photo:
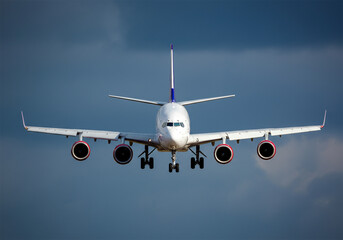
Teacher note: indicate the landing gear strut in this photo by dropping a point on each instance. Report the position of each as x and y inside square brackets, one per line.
[147, 160]
[197, 160]
[174, 165]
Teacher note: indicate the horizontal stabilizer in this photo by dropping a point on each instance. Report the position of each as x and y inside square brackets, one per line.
[204, 100]
[138, 100]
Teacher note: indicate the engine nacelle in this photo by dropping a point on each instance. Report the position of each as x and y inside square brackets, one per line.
[80, 151]
[266, 150]
[122, 154]
[223, 154]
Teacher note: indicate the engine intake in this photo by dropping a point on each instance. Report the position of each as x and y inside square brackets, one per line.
[122, 154]
[223, 154]
[266, 150]
[80, 150]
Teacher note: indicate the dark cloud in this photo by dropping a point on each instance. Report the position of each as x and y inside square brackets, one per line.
[58, 22]
[234, 25]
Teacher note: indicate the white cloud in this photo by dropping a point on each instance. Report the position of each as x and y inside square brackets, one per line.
[302, 160]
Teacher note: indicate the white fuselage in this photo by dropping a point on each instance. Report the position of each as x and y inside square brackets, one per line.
[173, 127]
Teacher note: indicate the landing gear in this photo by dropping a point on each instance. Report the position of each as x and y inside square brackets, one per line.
[174, 165]
[197, 160]
[147, 160]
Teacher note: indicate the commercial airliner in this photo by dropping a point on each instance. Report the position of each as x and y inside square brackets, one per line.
[173, 135]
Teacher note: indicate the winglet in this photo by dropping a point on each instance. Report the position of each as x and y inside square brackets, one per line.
[324, 120]
[22, 117]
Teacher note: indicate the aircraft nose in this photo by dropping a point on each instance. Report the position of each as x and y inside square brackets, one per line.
[177, 140]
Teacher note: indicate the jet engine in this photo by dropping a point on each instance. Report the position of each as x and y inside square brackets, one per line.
[122, 154]
[266, 150]
[80, 150]
[223, 154]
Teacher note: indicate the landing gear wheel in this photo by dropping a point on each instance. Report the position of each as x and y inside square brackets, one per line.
[201, 163]
[177, 167]
[170, 167]
[146, 160]
[151, 163]
[142, 163]
[192, 162]
[197, 160]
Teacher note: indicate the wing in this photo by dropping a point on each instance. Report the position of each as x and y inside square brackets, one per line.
[141, 138]
[202, 138]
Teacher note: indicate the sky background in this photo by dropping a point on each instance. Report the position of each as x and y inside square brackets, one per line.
[60, 60]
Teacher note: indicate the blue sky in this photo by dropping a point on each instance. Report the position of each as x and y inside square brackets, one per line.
[60, 60]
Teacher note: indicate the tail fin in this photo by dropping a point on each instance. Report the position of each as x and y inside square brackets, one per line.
[172, 82]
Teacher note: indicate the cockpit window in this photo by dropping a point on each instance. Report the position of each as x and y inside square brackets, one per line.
[173, 124]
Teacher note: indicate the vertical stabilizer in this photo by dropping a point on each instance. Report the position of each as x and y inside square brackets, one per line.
[172, 82]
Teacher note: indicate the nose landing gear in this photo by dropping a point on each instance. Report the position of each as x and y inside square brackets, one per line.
[174, 165]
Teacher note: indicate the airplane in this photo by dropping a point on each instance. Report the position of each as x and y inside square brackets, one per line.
[173, 134]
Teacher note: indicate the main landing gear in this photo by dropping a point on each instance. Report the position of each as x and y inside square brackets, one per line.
[197, 160]
[147, 160]
[174, 165]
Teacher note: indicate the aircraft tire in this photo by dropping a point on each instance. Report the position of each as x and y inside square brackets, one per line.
[142, 163]
[170, 167]
[151, 163]
[192, 162]
[177, 168]
[201, 163]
